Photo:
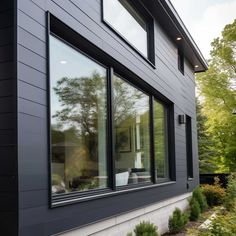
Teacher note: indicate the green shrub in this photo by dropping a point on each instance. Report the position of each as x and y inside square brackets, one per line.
[214, 193]
[224, 225]
[177, 221]
[230, 194]
[200, 197]
[146, 229]
[195, 209]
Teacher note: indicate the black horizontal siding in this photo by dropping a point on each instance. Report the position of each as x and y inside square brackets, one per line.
[8, 36]
[8, 157]
[31, 76]
[35, 217]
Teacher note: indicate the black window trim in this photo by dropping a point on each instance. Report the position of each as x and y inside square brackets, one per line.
[169, 123]
[189, 147]
[180, 61]
[123, 72]
[150, 31]
[152, 181]
[108, 149]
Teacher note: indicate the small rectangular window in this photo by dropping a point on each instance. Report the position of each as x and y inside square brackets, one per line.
[180, 61]
[189, 151]
[160, 141]
[130, 24]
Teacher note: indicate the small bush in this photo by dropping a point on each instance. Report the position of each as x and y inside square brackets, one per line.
[200, 197]
[177, 221]
[224, 225]
[214, 193]
[230, 195]
[195, 209]
[146, 229]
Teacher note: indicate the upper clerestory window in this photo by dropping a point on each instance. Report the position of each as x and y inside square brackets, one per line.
[133, 24]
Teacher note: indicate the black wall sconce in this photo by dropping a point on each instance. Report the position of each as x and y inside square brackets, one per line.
[182, 119]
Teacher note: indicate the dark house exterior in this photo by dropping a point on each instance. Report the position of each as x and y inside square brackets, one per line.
[97, 115]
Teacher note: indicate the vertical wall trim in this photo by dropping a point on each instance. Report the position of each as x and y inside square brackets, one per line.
[152, 139]
[48, 107]
[15, 62]
[171, 138]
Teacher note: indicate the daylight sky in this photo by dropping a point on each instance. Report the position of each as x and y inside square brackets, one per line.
[205, 19]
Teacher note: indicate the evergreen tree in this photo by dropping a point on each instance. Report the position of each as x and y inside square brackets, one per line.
[208, 155]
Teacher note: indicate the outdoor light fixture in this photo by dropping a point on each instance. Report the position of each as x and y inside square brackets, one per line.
[182, 119]
[178, 39]
[196, 66]
[63, 62]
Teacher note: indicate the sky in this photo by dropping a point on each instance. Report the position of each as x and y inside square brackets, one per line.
[205, 19]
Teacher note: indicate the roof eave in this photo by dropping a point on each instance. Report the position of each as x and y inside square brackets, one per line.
[167, 5]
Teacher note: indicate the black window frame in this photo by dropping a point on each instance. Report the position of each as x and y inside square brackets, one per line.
[144, 13]
[68, 36]
[189, 147]
[92, 191]
[181, 61]
[129, 82]
[168, 135]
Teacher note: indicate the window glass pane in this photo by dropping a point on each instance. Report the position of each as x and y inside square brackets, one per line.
[160, 139]
[181, 61]
[78, 120]
[123, 18]
[132, 137]
[189, 151]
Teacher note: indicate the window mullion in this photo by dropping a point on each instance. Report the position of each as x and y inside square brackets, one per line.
[110, 136]
[152, 140]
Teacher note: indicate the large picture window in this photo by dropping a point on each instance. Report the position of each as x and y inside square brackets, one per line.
[106, 134]
[132, 136]
[126, 20]
[78, 120]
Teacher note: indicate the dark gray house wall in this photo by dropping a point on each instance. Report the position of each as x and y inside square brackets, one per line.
[34, 214]
[8, 157]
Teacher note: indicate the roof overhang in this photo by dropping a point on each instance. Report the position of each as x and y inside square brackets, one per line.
[171, 22]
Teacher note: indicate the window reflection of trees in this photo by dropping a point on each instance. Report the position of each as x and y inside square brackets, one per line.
[160, 140]
[75, 130]
[76, 125]
[131, 119]
[125, 101]
[81, 100]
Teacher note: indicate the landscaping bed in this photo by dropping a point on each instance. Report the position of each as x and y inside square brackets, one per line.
[212, 212]
[192, 226]
[219, 218]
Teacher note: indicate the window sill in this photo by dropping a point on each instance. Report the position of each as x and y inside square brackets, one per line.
[74, 198]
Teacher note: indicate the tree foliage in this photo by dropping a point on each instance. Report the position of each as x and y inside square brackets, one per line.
[218, 97]
[208, 154]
